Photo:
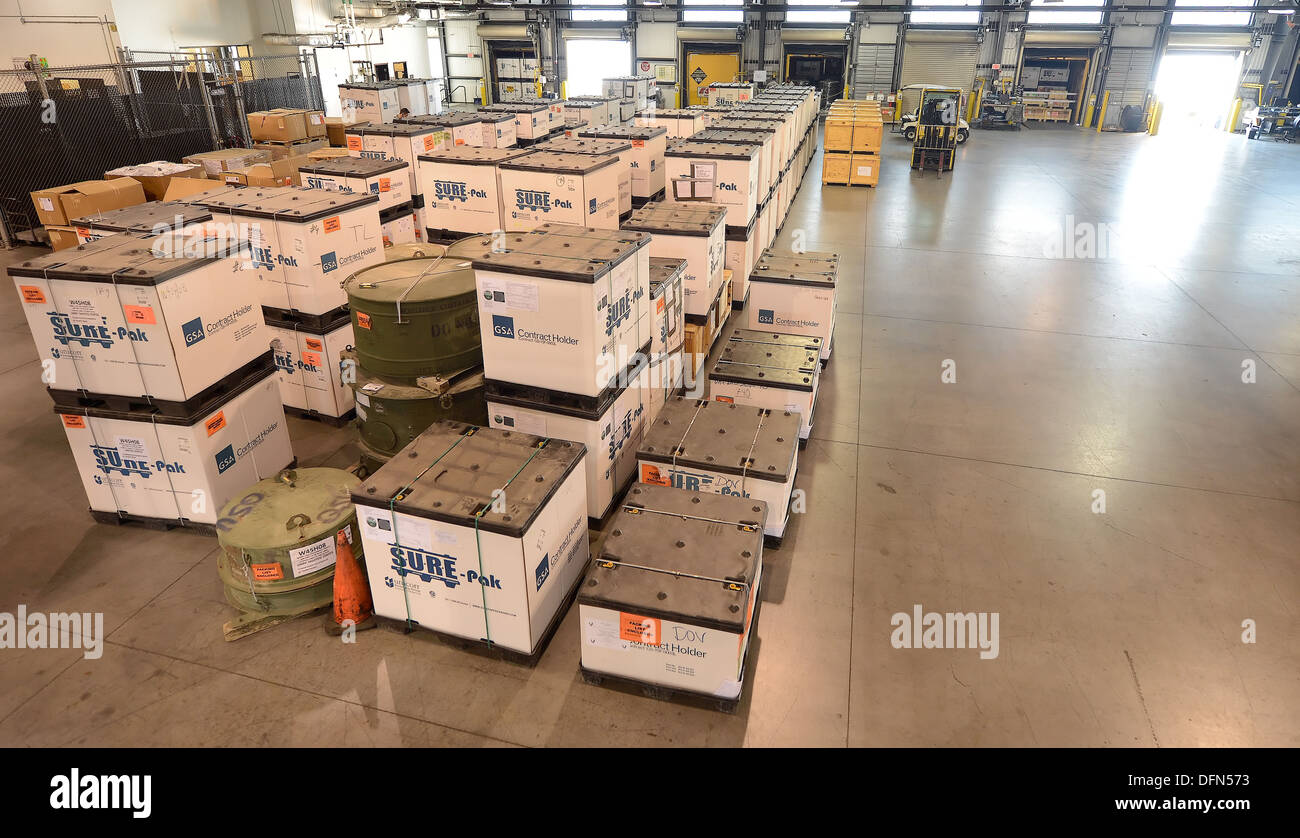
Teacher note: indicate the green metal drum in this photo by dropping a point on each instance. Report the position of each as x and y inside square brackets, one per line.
[278, 545]
[415, 317]
[392, 413]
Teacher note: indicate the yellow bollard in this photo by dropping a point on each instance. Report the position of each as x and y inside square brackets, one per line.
[1234, 115]
[1156, 112]
[1092, 107]
[1105, 103]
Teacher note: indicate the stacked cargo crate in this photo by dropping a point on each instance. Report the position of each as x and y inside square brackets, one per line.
[157, 358]
[852, 143]
[303, 240]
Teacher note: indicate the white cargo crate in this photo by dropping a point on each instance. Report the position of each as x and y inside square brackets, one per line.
[647, 157]
[667, 306]
[671, 600]
[769, 162]
[742, 253]
[610, 425]
[401, 141]
[622, 149]
[463, 128]
[795, 292]
[188, 467]
[662, 381]
[531, 121]
[546, 187]
[679, 122]
[488, 545]
[397, 225]
[307, 361]
[772, 370]
[156, 217]
[563, 308]
[412, 95]
[509, 68]
[388, 180]
[694, 233]
[726, 93]
[715, 173]
[116, 316]
[498, 129]
[725, 449]
[462, 188]
[594, 111]
[304, 241]
[368, 102]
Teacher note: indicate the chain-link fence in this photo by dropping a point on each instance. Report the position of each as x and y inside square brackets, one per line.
[66, 124]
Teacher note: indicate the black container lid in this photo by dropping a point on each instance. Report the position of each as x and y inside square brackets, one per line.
[743, 440]
[767, 365]
[363, 167]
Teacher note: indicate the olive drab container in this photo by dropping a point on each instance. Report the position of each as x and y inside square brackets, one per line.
[725, 449]
[137, 462]
[795, 293]
[767, 369]
[562, 308]
[278, 542]
[672, 598]
[124, 316]
[414, 317]
[476, 533]
[304, 241]
[694, 233]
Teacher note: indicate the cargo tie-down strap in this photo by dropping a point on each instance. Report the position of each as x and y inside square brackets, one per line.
[499, 492]
[703, 404]
[435, 262]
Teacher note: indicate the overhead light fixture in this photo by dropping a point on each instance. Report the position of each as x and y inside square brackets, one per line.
[1279, 11]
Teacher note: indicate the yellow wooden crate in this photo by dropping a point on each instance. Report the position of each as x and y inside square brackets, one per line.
[865, 169]
[835, 167]
[839, 134]
[867, 135]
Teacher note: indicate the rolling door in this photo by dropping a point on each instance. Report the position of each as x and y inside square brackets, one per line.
[940, 59]
[873, 70]
[1127, 77]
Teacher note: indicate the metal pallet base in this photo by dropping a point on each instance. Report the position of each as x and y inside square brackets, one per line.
[324, 419]
[677, 695]
[175, 409]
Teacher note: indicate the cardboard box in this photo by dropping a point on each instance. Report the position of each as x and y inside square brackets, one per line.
[282, 172]
[216, 163]
[299, 148]
[327, 153]
[282, 124]
[335, 128]
[865, 169]
[155, 176]
[56, 206]
[61, 238]
[184, 187]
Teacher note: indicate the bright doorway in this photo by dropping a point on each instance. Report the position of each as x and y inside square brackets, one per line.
[592, 60]
[1196, 89]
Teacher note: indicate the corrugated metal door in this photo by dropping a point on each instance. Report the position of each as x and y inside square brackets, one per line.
[940, 59]
[874, 70]
[1127, 77]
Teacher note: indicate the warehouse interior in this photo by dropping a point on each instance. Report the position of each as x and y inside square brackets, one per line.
[1064, 392]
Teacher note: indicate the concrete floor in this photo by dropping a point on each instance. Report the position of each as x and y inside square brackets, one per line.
[1121, 374]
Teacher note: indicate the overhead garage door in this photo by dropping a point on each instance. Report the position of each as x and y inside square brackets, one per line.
[1127, 78]
[940, 58]
[873, 70]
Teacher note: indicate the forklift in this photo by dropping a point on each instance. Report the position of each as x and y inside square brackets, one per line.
[935, 146]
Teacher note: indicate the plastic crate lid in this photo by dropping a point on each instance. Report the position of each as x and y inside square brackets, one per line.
[747, 441]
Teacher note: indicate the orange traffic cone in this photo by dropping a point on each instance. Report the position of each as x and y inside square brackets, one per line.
[351, 590]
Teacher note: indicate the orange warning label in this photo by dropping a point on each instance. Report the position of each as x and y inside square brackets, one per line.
[638, 144]
[84, 232]
[312, 358]
[73, 421]
[333, 224]
[32, 294]
[724, 399]
[354, 143]
[652, 475]
[314, 344]
[216, 423]
[363, 320]
[638, 629]
[140, 315]
[659, 306]
[428, 142]
[385, 184]
[460, 142]
[267, 572]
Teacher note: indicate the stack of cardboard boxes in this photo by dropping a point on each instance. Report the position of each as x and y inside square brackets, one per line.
[854, 130]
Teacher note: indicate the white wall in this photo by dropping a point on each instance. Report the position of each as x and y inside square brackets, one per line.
[171, 24]
[87, 41]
